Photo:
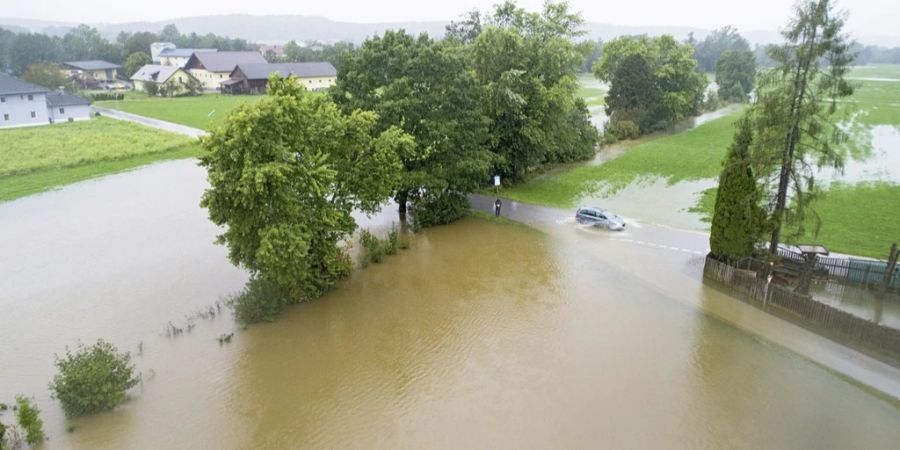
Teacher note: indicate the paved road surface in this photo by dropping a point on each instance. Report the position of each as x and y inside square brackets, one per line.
[150, 122]
[552, 219]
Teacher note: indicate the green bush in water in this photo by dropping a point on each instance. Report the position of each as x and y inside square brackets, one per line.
[30, 420]
[441, 209]
[260, 301]
[92, 379]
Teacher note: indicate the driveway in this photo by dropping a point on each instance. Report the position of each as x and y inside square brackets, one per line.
[150, 122]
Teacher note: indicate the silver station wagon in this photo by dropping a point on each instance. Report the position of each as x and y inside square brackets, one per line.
[599, 218]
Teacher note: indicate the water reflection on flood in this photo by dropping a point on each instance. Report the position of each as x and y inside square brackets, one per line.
[480, 335]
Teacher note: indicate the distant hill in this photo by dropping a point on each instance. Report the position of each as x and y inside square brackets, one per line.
[282, 28]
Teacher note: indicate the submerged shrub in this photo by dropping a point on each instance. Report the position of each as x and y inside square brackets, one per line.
[620, 130]
[29, 419]
[374, 248]
[260, 301]
[92, 379]
[441, 209]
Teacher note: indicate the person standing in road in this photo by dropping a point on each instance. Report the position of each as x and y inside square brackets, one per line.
[497, 204]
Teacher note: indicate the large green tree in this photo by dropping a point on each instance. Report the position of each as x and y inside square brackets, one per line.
[634, 95]
[710, 49]
[285, 175]
[735, 75]
[427, 89]
[738, 218]
[134, 62]
[83, 43]
[679, 84]
[526, 64]
[795, 112]
[47, 75]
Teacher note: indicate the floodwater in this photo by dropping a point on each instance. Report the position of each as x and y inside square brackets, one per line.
[481, 335]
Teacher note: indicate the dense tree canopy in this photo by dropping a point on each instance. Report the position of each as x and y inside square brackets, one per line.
[526, 64]
[427, 89]
[677, 87]
[285, 175]
[713, 45]
[47, 75]
[735, 75]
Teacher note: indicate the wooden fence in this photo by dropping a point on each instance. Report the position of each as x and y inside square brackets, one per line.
[851, 271]
[875, 339]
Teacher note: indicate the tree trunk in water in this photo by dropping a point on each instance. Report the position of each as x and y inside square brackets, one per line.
[402, 199]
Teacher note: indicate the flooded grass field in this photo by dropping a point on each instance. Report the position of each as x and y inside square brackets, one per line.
[480, 335]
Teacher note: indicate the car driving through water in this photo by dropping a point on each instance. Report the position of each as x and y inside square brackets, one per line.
[599, 218]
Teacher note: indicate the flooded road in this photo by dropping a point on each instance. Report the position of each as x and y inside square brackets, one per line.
[481, 335]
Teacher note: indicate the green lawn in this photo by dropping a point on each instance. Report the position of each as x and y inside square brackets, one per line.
[690, 155]
[856, 219]
[876, 71]
[197, 112]
[36, 159]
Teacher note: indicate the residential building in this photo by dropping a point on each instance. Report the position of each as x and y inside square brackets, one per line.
[276, 51]
[212, 68]
[174, 77]
[95, 70]
[156, 48]
[65, 107]
[252, 78]
[179, 56]
[22, 104]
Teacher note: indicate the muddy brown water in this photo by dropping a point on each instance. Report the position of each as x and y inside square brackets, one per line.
[481, 335]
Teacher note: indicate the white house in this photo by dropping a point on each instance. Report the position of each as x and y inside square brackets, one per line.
[22, 104]
[174, 78]
[65, 107]
[179, 56]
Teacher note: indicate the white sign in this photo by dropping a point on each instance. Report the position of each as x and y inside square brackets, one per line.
[496, 180]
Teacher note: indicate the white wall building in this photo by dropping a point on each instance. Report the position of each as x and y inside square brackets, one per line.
[65, 107]
[22, 104]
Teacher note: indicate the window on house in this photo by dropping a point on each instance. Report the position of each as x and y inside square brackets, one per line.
[62, 110]
[6, 117]
[30, 97]
[33, 115]
[2, 99]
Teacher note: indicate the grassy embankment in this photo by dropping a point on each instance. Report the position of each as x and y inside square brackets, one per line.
[690, 155]
[198, 112]
[37, 159]
[857, 218]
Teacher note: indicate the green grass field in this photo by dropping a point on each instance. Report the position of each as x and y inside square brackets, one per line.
[690, 155]
[36, 159]
[198, 112]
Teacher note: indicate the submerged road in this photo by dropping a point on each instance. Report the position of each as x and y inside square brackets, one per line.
[672, 262]
[149, 121]
[654, 236]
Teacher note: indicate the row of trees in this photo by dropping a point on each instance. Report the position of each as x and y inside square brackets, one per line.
[20, 50]
[419, 120]
[767, 181]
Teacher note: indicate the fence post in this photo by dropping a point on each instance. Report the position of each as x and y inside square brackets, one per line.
[889, 270]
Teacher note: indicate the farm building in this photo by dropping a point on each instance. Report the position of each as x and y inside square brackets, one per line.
[252, 78]
[212, 68]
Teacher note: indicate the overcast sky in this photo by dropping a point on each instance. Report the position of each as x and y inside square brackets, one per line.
[870, 17]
